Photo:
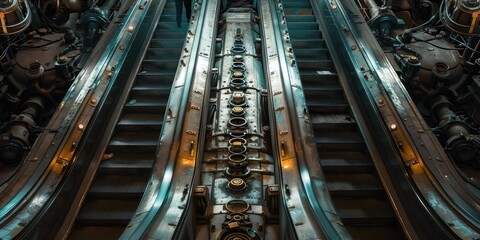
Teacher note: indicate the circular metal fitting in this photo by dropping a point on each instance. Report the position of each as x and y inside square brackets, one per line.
[35, 71]
[238, 58]
[238, 84]
[238, 98]
[232, 173]
[238, 75]
[237, 166]
[237, 141]
[412, 59]
[238, 64]
[237, 68]
[238, 233]
[441, 71]
[62, 59]
[16, 16]
[237, 149]
[238, 48]
[441, 67]
[237, 161]
[238, 134]
[237, 123]
[237, 206]
[237, 111]
[237, 216]
[237, 185]
[471, 3]
[237, 145]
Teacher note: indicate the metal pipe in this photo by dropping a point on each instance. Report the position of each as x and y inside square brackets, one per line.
[372, 7]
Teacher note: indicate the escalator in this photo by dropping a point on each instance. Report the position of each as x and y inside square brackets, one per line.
[126, 165]
[151, 165]
[355, 188]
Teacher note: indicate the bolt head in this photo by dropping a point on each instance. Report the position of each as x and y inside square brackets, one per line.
[412, 59]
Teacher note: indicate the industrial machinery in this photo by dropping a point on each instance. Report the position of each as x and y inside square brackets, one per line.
[434, 47]
[44, 45]
[239, 119]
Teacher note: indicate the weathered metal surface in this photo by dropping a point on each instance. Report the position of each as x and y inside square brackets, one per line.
[237, 165]
[52, 154]
[304, 191]
[160, 214]
[413, 139]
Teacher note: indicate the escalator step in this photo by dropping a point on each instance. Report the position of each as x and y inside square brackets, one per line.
[150, 91]
[300, 18]
[145, 105]
[353, 185]
[362, 212]
[88, 232]
[107, 212]
[134, 141]
[118, 186]
[333, 122]
[346, 162]
[298, 44]
[140, 122]
[128, 163]
[375, 232]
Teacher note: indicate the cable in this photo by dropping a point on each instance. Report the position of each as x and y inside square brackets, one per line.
[447, 15]
[444, 48]
[423, 25]
[4, 53]
[43, 45]
[464, 44]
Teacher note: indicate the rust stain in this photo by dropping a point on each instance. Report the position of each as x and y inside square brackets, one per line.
[305, 12]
